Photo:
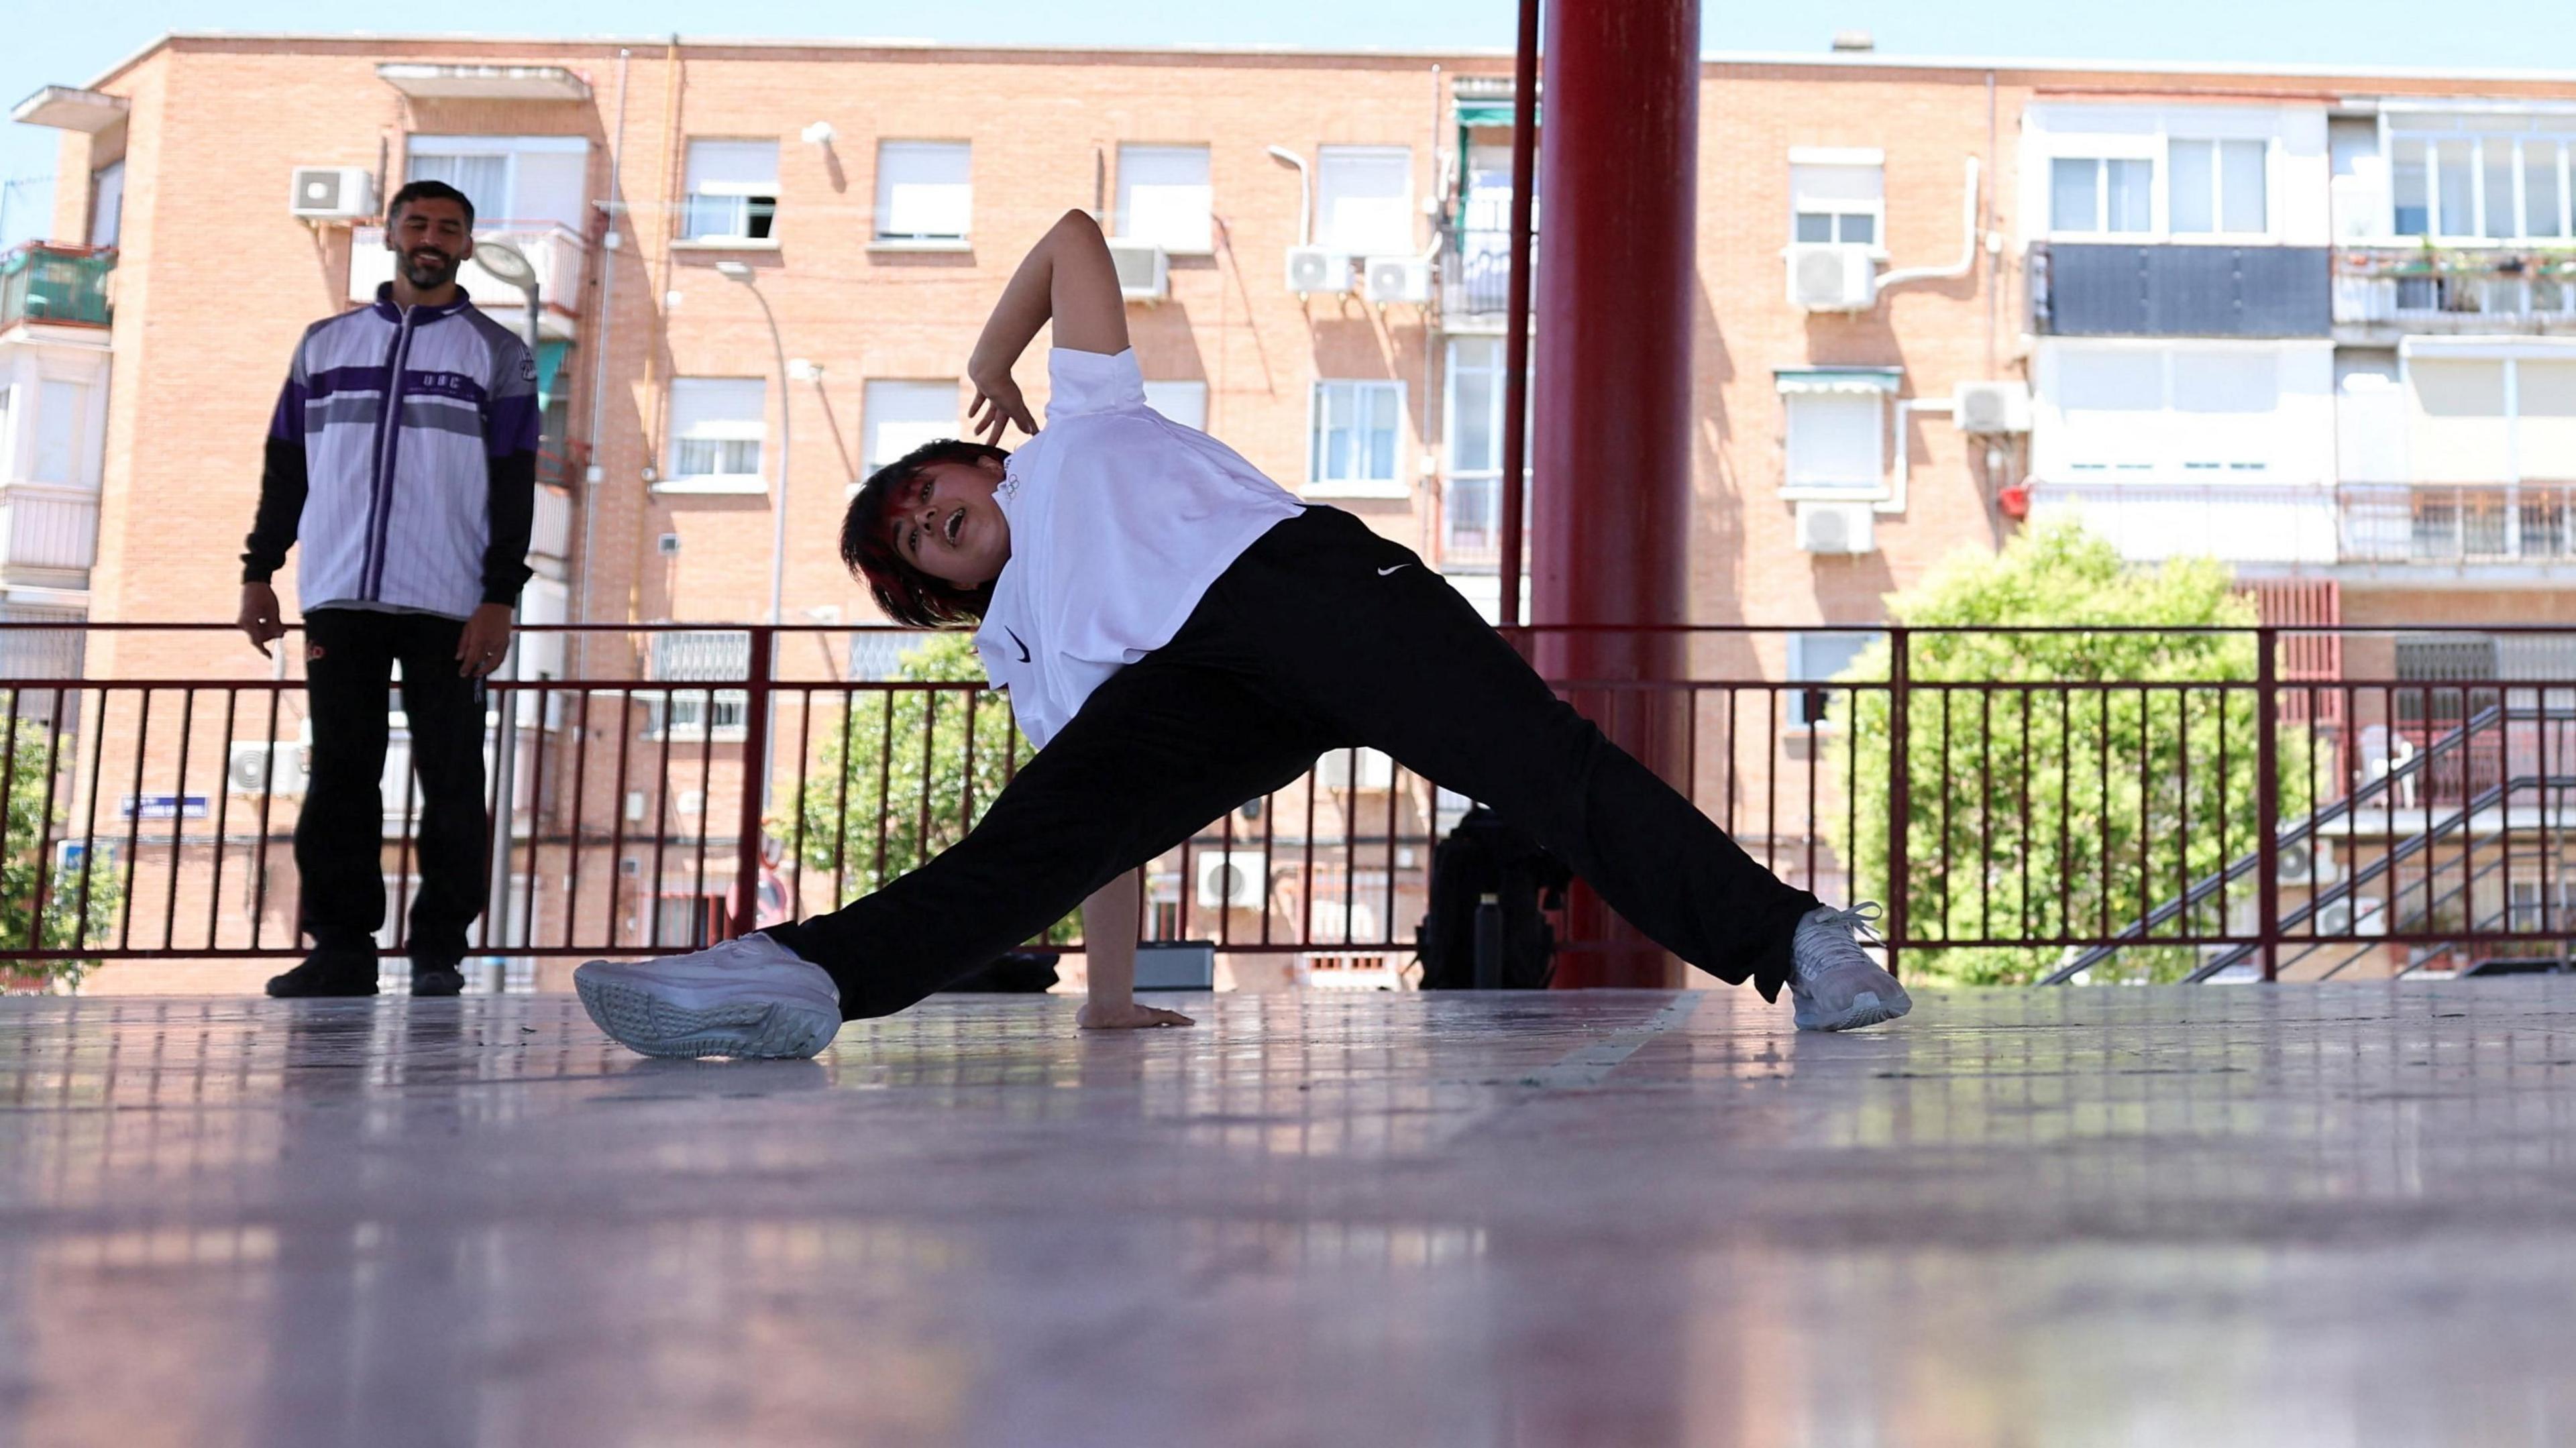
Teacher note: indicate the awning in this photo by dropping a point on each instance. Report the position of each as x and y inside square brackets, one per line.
[485, 82]
[1838, 379]
[68, 108]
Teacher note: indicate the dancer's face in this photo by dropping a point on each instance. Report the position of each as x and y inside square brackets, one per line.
[948, 526]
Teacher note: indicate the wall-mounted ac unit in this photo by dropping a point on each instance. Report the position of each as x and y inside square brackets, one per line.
[2298, 860]
[1837, 528]
[1991, 407]
[1832, 277]
[1355, 769]
[252, 768]
[2361, 915]
[1144, 270]
[1233, 879]
[1397, 280]
[1317, 269]
[332, 193]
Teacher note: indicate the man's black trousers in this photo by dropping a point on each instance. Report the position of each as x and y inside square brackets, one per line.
[1322, 635]
[349, 659]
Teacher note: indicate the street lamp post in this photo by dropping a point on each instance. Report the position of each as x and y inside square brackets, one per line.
[511, 267]
[740, 272]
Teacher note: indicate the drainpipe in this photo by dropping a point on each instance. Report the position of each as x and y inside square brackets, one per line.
[609, 243]
[1967, 244]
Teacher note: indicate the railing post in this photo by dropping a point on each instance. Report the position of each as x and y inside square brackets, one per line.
[2267, 798]
[755, 779]
[1900, 792]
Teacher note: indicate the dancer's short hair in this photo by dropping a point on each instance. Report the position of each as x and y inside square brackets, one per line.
[907, 594]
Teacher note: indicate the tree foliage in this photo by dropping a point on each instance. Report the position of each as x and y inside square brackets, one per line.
[908, 771]
[53, 923]
[2066, 809]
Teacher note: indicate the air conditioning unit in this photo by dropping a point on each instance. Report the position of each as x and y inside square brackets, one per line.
[1837, 528]
[1144, 270]
[2298, 860]
[333, 193]
[1355, 769]
[2358, 916]
[1397, 280]
[1233, 880]
[254, 768]
[1832, 277]
[1991, 407]
[1316, 269]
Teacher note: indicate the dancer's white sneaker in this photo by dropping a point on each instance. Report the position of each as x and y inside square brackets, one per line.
[746, 997]
[1833, 983]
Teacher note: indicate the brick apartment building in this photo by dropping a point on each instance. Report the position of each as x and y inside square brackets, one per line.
[2318, 324]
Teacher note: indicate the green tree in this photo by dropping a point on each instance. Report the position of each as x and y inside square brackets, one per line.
[54, 922]
[908, 771]
[2051, 811]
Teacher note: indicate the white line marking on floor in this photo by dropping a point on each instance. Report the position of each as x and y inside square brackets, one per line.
[1589, 1065]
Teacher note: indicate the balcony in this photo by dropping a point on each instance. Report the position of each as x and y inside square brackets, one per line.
[1476, 277]
[2382, 293]
[48, 534]
[2351, 523]
[557, 252]
[2447, 524]
[64, 285]
[550, 533]
[2106, 290]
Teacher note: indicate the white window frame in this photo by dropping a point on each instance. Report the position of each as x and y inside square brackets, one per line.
[883, 237]
[1328, 234]
[2218, 229]
[730, 429]
[1804, 670]
[878, 396]
[742, 194]
[2179, 451]
[1879, 387]
[508, 150]
[107, 203]
[1182, 399]
[2100, 159]
[1489, 477]
[1854, 158]
[1198, 239]
[2396, 131]
[1397, 486]
[679, 708]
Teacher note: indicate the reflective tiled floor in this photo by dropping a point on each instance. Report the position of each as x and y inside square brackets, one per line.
[2341, 1214]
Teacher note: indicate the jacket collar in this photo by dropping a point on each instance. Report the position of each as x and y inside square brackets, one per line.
[385, 305]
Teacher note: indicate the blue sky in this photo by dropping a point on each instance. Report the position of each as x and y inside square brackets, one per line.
[61, 45]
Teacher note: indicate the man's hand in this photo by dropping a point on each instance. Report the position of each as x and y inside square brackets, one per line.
[485, 641]
[258, 617]
[997, 407]
[1095, 1016]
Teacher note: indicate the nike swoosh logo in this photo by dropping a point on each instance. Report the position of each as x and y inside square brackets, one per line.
[1383, 572]
[1015, 638]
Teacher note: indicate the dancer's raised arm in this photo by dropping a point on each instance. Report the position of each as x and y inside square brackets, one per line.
[1068, 278]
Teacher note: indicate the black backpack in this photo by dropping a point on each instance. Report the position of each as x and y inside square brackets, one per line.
[1484, 856]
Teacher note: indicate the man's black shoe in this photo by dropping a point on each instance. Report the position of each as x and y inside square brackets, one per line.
[436, 978]
[328, 973]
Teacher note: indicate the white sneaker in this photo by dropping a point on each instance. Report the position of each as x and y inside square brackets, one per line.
[1833, 983]
[745, 997]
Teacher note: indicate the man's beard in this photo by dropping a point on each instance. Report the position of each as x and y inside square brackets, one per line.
[428, 275]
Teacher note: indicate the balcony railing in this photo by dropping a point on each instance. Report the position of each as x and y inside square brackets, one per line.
[2417, 289]
[1476, 272]
[42, 282]
[556, 251]
[151, 815]
[2439, 523]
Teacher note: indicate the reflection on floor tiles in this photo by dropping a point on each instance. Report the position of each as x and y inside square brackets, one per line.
[2338, 1214]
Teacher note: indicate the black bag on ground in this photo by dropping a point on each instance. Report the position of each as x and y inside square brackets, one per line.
[1484, 856]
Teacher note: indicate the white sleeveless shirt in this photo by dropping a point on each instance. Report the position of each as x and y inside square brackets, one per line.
[1120, 520]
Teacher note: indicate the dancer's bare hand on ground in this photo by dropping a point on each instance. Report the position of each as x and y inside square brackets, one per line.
[1129, 1017]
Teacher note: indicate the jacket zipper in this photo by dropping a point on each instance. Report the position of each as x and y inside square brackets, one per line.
[388, 427]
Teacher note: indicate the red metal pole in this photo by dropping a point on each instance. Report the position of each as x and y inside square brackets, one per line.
[755, 776]
[1900, 788]
[1611, 444]
[1516, 341]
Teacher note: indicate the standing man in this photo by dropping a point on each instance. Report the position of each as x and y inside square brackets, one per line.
[404, 455]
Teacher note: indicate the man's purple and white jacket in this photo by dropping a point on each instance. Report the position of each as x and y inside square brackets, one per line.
[403, 454]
